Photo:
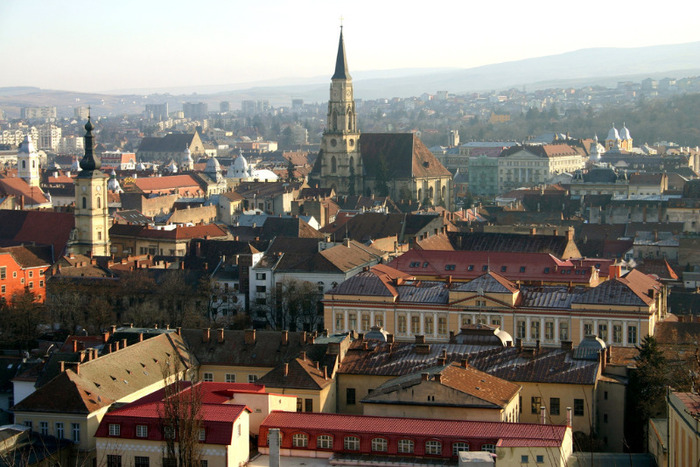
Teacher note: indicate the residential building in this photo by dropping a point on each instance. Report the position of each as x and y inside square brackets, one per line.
[142, 240]
[170, 146]
[531, 165]
[118, 160]
[23, 268]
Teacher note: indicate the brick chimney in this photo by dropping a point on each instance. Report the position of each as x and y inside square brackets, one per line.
[303, 355]
[420, 339]
[286, 369]
[437, 377]
[249, 337]
[206, 335]
[220, 333]
[424, 376]
[285, 337]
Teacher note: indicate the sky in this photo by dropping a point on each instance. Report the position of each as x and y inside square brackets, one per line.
[106, 45]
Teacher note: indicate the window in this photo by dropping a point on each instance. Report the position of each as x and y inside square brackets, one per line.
[308, 405]
[522, 268]
[504, 268]
[406, 446]
[460, 446]
[428, 324]
[617, 333]
[230, 378]
[631, 334]
[84, 202]
[402, 324]
[2, 289]
[169, 462]
[535, 329]
[450, 267]
[168, 432]
[31, 274]
[252, 379]
[300, 440]
[414, 264]
[142, 431]
[352, 321]
[379, 444]
[521, 329]
[379, 321]
[260, 276]
[351, 443]
[549, 330]
[470, 267]
[350, 396]
[485, 267]
[524, 459]
[415, 324]
[75, 428]
[324, 442]
[114, 460]
[260, 289]
[554, 404]
[546, 270]
[339, 321]
[539, 459]
[142, 461]
[496, 320]
[603, 331]
[433, 447]
[489, 448]
[300, 404]
[587, 329]
[60, 432]
[563, 331]
[114, 429]
[365, 322]
[202, 434]
[536, 403]
[209, 377]
[442, 325]
[578, 407]
[466, 320]
[44, 428]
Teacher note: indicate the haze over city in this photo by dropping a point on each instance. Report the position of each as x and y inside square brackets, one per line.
[114, 47]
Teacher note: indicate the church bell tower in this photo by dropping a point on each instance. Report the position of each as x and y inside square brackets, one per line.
[91, 214]
[341, 163]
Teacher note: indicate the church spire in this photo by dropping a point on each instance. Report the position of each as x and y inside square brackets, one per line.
[88, 162]
[341, 63]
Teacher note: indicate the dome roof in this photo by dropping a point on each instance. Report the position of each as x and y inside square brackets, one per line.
[240, 163]
[265, 174]
[188, 155]
[172, 167]
[613, 134]
[140, 167]
[377, 333]
[213, 166]
[113, 183]
[625, 133]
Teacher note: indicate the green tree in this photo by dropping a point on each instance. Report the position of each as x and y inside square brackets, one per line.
[382, 180]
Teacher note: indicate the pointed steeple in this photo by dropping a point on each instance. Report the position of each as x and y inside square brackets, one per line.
[341, 63]
[88, 162]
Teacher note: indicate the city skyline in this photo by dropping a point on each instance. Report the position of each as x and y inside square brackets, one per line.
[156, 45]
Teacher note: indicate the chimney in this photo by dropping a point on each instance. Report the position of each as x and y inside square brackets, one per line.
[303, 355]
[303, 337]
[63, 366]
[286, 369]
[389, 338]
[424, 376]
[452, 337]
[285, 337]
[249, 337]
[567, 345]
[206, 335]
[422, 349]
[123, 343]
[318, 365]
[568, 416]
[543, 415]
[437, 377]
[274, 447]
[441, 361]
[519, 343]
[140, 337]
[420, 339]
[365, 346]
[465, 362]
[114, 329]
[116, 346]
[533, 231]
[179, 331]
[75, 345]
[325, 372]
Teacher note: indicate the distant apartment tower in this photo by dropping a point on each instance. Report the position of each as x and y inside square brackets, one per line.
[49, 137]
[453, 138]
[38, 112]
[198, 110]
[157, 111]
[442, 95]
[81, 113]
[250, 107]
[224, 106]
[297, 104]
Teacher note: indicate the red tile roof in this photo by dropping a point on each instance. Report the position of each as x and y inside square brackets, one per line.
[165, 183]
[529, 433]
[41, 227]
[19, 187]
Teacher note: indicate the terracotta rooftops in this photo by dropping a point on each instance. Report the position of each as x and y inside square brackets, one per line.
[531, 434]
[178, 233]
[147, 184]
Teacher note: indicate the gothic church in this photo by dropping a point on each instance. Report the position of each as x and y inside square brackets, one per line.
[397, 164]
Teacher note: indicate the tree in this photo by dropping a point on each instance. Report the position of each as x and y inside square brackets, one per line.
[180, 417]
[382, 177]
[22, 317]
[646, 393]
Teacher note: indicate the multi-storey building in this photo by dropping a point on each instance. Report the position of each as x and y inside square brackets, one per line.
[532, 165]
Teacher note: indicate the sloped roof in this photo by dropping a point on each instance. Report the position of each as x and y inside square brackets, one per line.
[631, 290]
[492, 241]
[489, 282]
[370, 225]
[28, 256]
[173, 182]
[300, 374]
[109, 378]
[380, 280]
[18, 187]
[404, 154]
[168, 143]
[41, 227]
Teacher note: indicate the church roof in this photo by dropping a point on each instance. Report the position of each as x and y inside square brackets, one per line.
[404, 154]
[341, 62]
[169, 143]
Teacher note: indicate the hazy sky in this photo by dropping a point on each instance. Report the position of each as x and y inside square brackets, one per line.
[124, 44]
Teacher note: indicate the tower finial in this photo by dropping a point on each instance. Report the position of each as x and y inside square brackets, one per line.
[341, 22]
[341, 63]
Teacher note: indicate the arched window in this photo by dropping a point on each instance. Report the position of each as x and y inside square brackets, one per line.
[420, 195]
[334, 164]
[351, 443]
[33, 164]
[352, 162]
[99, 203]
[300, 440]
[84, 202]
[431, 193]
[24, 164]
[320, 286]
[406, 446]
[459, 446]
[349, 120]
[433, 447]
[335, 120]
[324, 442]
[489, 448]
[379, 444]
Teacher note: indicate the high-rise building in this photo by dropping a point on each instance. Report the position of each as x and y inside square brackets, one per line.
[224, 106]
[38, 112]
[157, 111]
[198, 110]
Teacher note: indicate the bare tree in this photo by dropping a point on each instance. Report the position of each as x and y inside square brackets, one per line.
[181, 418]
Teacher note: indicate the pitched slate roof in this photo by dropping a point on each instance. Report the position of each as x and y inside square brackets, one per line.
[487, 241]
[168, 143]
[630, 290]
[370, 225]
[298, 374]
[28, 256]
[100, 382]
[404, 154]
[380, 280]
[489, 282]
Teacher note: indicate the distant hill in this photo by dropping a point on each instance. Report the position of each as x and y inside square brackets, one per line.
[602, 66]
